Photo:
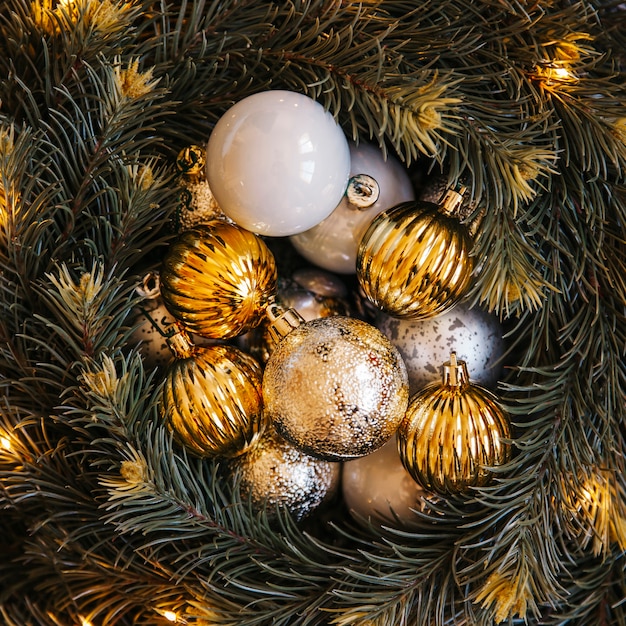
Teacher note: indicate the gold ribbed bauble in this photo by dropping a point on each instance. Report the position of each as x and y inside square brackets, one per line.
[212, 399]
[217, 278]
[453, 433]
[275, 474]
[335, 387]
[413, 261]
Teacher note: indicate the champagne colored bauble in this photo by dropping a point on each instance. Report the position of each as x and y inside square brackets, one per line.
[275, 474]
[333, 244]
[378, 488]
[336, 388]
[413, 261]
[473, 333]
[277, 163]
[453, 433]
[152, 322]
[217, 279]
[325, 295]
[212, 399]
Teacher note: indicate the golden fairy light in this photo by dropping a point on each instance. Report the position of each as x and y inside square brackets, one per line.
[84, 621]
[5, 443]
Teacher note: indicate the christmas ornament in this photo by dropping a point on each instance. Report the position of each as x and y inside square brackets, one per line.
[434, 189]
[217, 279]
[472, 333]
[276, 474]
[413, 261]
[334, 387]
[152, 322]
[326, 296]
[196, 203]
[333, 243]
[378, 488]
[277, 163]
[453, 433]
[212, 398]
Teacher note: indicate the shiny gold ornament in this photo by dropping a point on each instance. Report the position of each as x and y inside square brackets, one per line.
[212, 398]
[335, 387]
[413, 261]
[217, 279]
[453, 432]
[276, 474]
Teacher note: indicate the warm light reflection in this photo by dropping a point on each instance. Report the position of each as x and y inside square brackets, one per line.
[551, 73]
[5, 444]
[170, 616]
[85, 622]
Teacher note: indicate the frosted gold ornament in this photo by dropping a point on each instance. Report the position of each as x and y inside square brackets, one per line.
[276, 474]
[413, 261]
[212, 398]
[335, 387]
[453, 433]
[196, 202]
[217, 279]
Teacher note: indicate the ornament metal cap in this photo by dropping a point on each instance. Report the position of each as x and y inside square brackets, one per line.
[451, 201]
[181, 345]
[455, 372]
[282, 322]
[363, 191]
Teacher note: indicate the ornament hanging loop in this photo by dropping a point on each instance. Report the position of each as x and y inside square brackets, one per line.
[455, 372]
[282, 322]
[451, 201]
[362, 192]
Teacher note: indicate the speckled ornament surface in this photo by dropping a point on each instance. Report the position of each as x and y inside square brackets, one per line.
[217, 278]
[152, 345]
[336, 388]
[378, 488]
[473, 333]
[212, 400]
[276, 474]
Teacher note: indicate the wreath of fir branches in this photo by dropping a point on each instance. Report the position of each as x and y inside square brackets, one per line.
[104, 518]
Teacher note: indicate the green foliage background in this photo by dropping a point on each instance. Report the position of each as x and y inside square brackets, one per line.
[87, 196]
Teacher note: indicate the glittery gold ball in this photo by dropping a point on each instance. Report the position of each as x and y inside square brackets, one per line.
[413, 261]
[276, 474]
[336, 388]
[212, 401]
[453, 433]
[217, 279]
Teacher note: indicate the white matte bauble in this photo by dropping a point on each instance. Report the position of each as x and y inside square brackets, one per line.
[377, 488]
[473, 333]
[277, 163]
[333, 243]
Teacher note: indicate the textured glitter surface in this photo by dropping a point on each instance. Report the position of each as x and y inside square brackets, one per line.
[276, 474]
[336, 388]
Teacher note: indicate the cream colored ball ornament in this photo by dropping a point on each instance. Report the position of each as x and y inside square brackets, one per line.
[333, 244]
[377, 488]
[277, 163]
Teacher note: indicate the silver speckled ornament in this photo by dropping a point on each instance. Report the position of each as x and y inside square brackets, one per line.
[336, 388]
[378, 487]
[275, 473]
[474, 334]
